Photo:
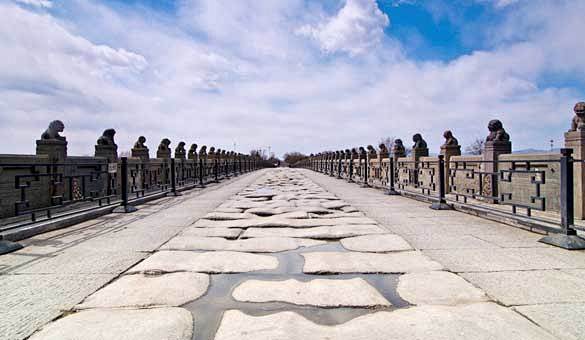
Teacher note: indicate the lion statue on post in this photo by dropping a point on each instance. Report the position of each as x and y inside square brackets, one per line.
[52, 132]
[578, 123]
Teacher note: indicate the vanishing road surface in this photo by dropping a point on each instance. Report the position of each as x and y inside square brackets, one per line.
[291, 254]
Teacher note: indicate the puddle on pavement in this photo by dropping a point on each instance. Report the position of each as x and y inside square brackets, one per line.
[208, 310]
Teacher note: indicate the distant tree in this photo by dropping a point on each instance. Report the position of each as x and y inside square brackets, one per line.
[293, 157]
[260, 153]
[388, 141]
[476, 147]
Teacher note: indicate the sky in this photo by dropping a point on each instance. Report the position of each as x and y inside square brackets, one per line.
[292, 75]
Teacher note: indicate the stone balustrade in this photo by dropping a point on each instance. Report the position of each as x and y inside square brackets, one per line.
[51, 183]
[533, 190]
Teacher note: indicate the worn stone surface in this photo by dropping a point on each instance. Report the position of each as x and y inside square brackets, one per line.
[335, 262]
[253, 245]
[563, 320]
[212, 232]
[376, 243]
[207, 262]
[483, 321]
[278, 221]
[438, 288]
[143, 324]
[320, 292]
[139, 290]
[530, 287]
[30, 301]
[226, 216]
[316, 232]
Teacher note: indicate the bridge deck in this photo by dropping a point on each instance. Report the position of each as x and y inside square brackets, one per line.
[291, 254]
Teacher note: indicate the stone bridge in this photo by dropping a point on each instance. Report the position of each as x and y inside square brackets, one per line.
[354, 244]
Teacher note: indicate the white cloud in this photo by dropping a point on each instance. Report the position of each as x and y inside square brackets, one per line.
[37, 3]
[222, 71]
[357, 28]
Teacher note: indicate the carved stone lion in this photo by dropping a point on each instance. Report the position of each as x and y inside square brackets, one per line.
[180, 150]
[497, 132]
[383, 150]
[52, 132]
[164, 145]
[107, 137]
[192, 150]
[362, 152]
[203, 151]
[449, 139]
[419, 142]
[372, 152]
[140, 143]
[578, 122]
[398, 149]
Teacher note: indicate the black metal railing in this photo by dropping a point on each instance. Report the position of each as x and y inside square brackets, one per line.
[35, 191]
[534, 191]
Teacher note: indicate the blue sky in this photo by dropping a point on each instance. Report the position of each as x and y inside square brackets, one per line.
[296, 75]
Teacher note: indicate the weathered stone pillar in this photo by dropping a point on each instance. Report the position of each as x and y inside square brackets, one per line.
[497, 143]
[140, 150]
[164, 151]
[449, 149]
[106, 147]
[575, 139]
[52, 144]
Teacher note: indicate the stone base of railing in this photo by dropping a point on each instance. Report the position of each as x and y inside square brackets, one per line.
[125, 209]
[8, 247]
[441, 206]
[569, 242]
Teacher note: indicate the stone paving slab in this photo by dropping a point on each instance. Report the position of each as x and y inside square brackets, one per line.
[483, 321]
[139, 290]
[376, 243]
[253, 245]
[212, 232]
[280, 222]
[320, 292]
[438, 288]
[143, 324]
[27, 302]
[530, 287]
[316, 232]
[96, 262]
[506, 259]
[563, 320]
[438, 241]
[336, 262]
[224, 216]
[206, 262]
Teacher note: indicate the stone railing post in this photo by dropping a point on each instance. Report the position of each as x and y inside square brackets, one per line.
[106, 147]
[497, 143]
[575, 139]
[53, 145]
[419, 149]
[140, 150]
[449, 149]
